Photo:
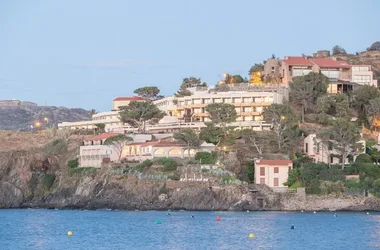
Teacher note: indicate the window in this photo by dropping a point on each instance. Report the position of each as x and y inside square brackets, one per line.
[262, 171]
[331, 159]
[306, 148]
[276, 170]
[262, 180]
[318, 147]
[275, 182]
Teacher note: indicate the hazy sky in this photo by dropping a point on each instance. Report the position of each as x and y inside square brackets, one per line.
[84, 53]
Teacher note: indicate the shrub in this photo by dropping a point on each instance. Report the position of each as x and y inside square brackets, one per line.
[206, 157]
[364, 158]
[73, 163]
[48, 180]
[82, 170]
[145, 164]
[56, 147]
[168, 164]
[163, 189]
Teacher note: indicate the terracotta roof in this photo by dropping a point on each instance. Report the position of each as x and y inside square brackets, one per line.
[130, 98]
[101, 136]
[329, 63]
[297, 61]
[274, 162]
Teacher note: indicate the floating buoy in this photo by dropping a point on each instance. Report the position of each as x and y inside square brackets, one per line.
[292, 227]
[247, 211]
[301, 211]
[69, 233]
[315, 212]
[192, 216]
[168, 213]
[218, 218]
[158, 222]
[335, 215]
[251, 236]
[367, 212]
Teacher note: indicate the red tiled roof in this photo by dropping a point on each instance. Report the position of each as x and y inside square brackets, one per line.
[274, 162]
[101, 136]
[130, 98]
[297, 61]
[329, 63]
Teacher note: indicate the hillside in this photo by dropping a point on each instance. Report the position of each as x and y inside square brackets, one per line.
[21, 117]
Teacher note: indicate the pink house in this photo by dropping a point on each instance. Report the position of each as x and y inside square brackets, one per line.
[273, 173]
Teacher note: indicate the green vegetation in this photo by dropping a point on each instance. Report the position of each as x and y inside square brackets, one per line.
[48, 180]
[73, 168]
[189, 82]
[163, 189]
[148, 92]
[56, 147]
[168, 164]
[137, 114]
[141, 166]
[206, 157]
[337, 50]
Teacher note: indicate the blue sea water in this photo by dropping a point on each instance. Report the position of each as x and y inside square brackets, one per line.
[47, 229]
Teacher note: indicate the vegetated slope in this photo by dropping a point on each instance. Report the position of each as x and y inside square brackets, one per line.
[22, 117]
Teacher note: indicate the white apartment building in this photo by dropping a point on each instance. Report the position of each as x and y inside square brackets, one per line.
[189, 111]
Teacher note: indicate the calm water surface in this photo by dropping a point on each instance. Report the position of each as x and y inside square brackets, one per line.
[46, 229]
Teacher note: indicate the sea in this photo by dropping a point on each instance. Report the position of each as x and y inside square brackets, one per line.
[48, 229]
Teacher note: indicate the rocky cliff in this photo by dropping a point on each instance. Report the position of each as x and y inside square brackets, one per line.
[21, 117]
[36, 177]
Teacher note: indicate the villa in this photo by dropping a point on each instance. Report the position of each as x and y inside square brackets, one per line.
[273, 173]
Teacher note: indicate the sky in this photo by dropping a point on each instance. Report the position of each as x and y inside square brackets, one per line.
[83, 54]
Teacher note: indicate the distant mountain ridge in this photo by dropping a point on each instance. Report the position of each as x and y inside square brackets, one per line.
[17, 115]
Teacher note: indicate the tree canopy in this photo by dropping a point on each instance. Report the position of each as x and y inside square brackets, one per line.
[222, 113]
[138, 113]
[211, 133]
[189, 137]
[237, 79]
[284, 124]
[189, 82]
[361, 99]
[257, 67]
[374, 46]
[337, 50]
[118, 142]
[305, 90]
[344, 136]
[148, 92]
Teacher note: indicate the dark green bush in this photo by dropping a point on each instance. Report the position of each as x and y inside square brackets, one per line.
[364, 158]
[141, 166]
[163, 189]
[73, 163]
[206, 157]
[168, 164]
[48, 180]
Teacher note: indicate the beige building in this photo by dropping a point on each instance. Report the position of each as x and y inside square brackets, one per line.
[162, 148]
[124, 101]
[273, 173]
[93, 152]
[111, 118]
[323, 152]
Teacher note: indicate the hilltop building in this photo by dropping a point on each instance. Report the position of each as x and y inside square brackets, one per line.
[343, 76]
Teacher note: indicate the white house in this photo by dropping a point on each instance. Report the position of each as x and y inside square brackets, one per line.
[324, 152]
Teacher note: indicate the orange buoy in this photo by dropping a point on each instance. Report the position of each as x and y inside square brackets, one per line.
[218, 218]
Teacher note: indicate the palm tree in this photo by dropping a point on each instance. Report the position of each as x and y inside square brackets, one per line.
[93, 112]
